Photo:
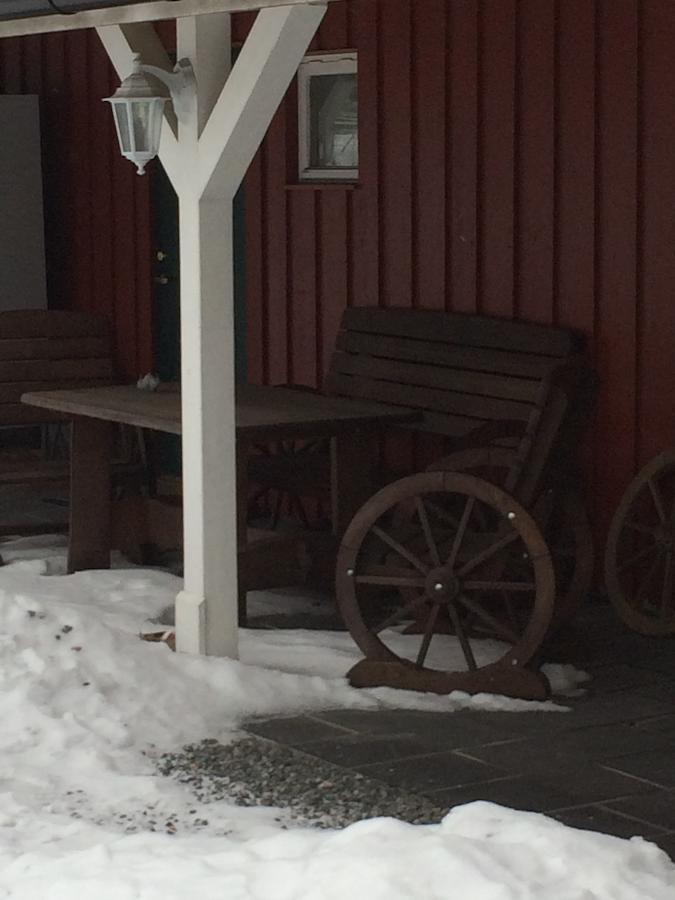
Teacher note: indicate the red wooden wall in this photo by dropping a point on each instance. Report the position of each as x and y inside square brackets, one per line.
[517, 158]
[97, 211]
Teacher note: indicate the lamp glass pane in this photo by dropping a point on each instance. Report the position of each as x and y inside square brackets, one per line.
[141, 117]
[122, 122]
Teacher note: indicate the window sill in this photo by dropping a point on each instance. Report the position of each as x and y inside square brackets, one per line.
[323, 186]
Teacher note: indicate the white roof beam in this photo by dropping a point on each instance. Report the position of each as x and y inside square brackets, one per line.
[141, 12]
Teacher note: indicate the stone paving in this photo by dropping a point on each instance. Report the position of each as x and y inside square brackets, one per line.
[607, 765]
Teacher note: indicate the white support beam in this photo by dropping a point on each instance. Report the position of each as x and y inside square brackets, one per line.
[207, 608]
[261, 75]
[207, 41]
[141, 12]
[120, 43]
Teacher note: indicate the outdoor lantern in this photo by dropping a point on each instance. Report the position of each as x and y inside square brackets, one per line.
[138, 108]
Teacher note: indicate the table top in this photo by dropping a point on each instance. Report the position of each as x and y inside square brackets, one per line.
[261, 410]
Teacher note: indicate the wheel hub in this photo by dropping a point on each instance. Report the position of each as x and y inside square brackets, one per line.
[442, 585]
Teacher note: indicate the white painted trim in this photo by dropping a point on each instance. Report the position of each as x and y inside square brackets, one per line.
[257, 84]
[342, 63]
[141, 12]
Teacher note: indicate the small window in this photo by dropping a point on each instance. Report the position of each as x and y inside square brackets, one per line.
[328, 118]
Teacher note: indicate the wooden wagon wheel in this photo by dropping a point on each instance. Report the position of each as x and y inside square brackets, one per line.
[564, 525]
[469, 550]
[640, 554]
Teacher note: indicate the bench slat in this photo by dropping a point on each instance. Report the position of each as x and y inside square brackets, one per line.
[425, 398]
[55, 370]
[444, 353]
[463, 328]
[474, 384]
[53, 348]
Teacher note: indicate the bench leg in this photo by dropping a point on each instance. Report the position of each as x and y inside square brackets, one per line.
[90, 484]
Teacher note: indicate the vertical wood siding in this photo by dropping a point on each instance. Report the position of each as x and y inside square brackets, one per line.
[97, 211]
[517, 159]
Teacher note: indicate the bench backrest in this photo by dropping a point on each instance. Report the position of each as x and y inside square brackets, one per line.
[49, 350]
[460, 370]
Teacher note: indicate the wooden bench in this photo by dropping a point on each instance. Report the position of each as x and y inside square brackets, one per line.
[45, 350]
[476, 379]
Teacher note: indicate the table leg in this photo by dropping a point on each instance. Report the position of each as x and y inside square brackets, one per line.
[353, 457]
[90, 531]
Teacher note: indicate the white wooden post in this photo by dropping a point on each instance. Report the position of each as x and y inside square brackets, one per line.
[214, 147]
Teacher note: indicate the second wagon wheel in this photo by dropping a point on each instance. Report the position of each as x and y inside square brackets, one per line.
[456, 545]
[564, 524]
[640, 555]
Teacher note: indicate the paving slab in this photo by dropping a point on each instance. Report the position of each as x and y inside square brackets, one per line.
[516, 792]
[657, 766]
[658, 808]
[433, 771]
[596, 818]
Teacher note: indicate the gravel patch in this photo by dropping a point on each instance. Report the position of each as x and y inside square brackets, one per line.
[257, 772]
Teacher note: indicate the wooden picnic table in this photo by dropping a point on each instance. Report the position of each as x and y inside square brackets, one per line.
[263, 413]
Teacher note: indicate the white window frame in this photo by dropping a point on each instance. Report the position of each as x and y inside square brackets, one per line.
[344, 63]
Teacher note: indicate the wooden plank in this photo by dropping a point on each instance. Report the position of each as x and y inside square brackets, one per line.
[56, 370]
[575, 238]
[616, 272]
[655, 311]
[333, 270]
[256, 252]
[275, 269]
[425, 398]
[536, 160]
[478, 359]
[59, 348]
[476, 384]
[480, 331]
[303, 254]
[430, 79]
[497, 158]
[364, 288]
[463, 156]
[396, 226]
[52, 323]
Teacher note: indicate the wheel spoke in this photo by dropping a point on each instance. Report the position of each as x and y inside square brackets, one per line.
[638, 556]
[499, 627]
[399, 614]
[464, 643]
[487, 553]
[441, 514]
[426, 528]
[384, 580]
[499, 585]
[428, 634]
[459, 537]
[400, 549]
[657, 500]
